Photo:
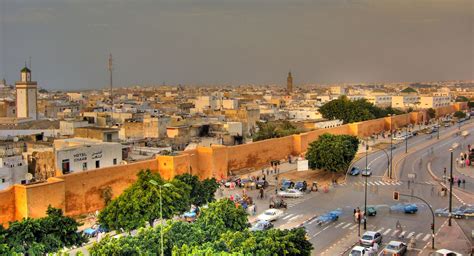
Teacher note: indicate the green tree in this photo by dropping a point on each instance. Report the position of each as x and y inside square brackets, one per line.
[202, 192]
[332, 152]
[461, 98]
[459, 114]
[470, 104]
[431, 113]
[268, 130]
[42, 235]
[140, 203]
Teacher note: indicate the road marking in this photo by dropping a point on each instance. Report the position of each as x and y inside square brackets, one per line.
[294, 217]
[380, 230]
[288, 216]
[311, 222]
[426, 237]
[355, 225]
[418, 236]
[347, 225]
[402, 234]
[371, 183]
[386, 231]
[378, 182]
[340, 224]
[395, 232]
[411, 234]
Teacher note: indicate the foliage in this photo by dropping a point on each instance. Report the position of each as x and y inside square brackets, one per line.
[140, 203]
[431, 113]
[106, 195]
[350, 111]
[332, 152]
[40, 236]
[459, 114]
[408, 90]
[270, 130]
[202, 192]
[461, 98]
[470, 104]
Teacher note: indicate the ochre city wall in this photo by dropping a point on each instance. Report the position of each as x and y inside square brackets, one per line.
[81, 192]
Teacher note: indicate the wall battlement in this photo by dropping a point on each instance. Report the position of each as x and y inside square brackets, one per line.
[81, 192]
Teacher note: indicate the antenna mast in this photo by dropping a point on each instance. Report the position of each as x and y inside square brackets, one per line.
[111, 84]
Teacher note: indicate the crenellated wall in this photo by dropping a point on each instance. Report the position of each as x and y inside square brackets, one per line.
[81, 192]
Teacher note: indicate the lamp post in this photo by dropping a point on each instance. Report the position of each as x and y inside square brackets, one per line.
[366, 169]
[451, 150]
[406, 136]
[391, 147]
[439, 128]
[166, 185]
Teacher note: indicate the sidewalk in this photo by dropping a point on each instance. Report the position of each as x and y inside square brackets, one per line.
[343, 246]
[451, 238]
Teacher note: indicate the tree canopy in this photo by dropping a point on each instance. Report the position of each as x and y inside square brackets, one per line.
[332, 152]
[202, 192]
[350, 111]
[459, 114]
[431, 113]
[408, 90]
[229, 237]
[268, 130]
[461, 98]
[40, 236]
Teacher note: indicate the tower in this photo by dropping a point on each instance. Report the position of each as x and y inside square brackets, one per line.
[26, 96]
[111, 84]
[289, 83]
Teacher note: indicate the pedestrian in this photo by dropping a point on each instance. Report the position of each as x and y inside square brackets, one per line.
[463, 183]
[261, 193]
[267, 172]
[398, 225]
[459, 183]
[254, 209]
[375, 248]
[263, 172]
[432, 190]
[444, 171]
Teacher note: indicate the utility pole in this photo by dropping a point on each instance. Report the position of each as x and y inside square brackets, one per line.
[366, 169]
[450, 187]
[406, 136]
[111, 82]
[391, 147]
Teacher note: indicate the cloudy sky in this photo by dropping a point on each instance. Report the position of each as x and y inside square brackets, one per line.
[236, 41]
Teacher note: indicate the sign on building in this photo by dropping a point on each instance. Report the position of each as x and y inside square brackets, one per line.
[302, 165]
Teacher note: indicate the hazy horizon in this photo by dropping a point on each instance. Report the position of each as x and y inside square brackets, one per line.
[236, 41]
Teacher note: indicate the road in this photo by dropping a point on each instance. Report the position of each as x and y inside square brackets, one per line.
[379, 193]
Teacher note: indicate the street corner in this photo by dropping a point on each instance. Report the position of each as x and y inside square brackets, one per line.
[451, 238]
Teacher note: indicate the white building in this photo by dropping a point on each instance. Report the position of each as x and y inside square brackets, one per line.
[434, 101]
[379, 100]
[337, 90]
[77, 154]
[66, 127]
[405, 101]
[234, 128]
[230, 104]
[304, 114]
[13, 170]
[26, 96]
[328, 124]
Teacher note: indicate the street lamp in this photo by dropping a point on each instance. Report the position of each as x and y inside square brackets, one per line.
[451, 150]
[391, 147]
[366, 169]
[439, 128]
[406, 135]
[166, 185]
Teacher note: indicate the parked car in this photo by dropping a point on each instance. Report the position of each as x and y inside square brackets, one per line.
[354, 171]
[445, 252]
[406, 208]
[369, 238]
[301, 186]
[360, 251]
[270, 215]
[277, 202]
[286, 184]
[261, 225]
[371, 211]
[395, 248]
[94, 231]
[293, 193]
[366, 172]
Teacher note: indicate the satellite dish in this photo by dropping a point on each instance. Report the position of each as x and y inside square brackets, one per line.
[28, 176]
[15, 139]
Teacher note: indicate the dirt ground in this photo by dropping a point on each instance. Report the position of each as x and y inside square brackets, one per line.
[320, 176]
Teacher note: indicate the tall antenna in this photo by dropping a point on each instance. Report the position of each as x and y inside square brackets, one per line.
[29, 62]
[111, 84]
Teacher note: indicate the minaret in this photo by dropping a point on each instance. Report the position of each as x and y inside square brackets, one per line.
[289, 83]
[26, 96]
[111, 84]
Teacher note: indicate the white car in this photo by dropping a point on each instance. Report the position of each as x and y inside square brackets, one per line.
[444, 252]
[361, 251]
[290, 193]
[270, 215]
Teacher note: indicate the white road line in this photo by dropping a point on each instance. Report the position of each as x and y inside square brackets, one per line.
[340, 224]
[371, 183]
[402, 234]
[380, 230]
[411, 234]
[426, 237]
[355, 225]
[383, 183]
[311, 222]
[347, 225]
[395, 232]
[288, 216]
[378, 183]
[386, 231]
[418, 236]
[295, 217]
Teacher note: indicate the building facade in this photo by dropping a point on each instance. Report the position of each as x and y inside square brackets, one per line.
[26, 96]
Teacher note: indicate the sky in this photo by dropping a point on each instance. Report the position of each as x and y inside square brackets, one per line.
[236, 41]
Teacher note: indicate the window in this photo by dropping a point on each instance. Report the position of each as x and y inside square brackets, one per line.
[109, 137]
[84, 166]
[97, 164]
[65, 166]
[115, 161]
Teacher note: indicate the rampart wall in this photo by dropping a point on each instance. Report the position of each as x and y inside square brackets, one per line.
[82, 192]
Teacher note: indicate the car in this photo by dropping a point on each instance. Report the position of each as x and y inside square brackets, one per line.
[371, 211]
[369, 238]
[445, 252]
[286, 184]
[270, 215]
[442, 212]
[360, 251]
[366, 172]
[354, 171]
[395, 248]
[462, 212]
[301, 186]
[406, 208]
[261, 225]
[94, 231]
[447, 124]
[294, 193]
